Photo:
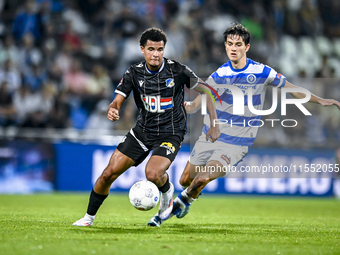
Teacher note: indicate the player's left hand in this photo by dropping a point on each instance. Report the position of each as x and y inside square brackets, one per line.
[328, 102]
[213, 134]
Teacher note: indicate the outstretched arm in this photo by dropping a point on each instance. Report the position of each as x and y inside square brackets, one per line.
[114, 107]
[314, 98]
[214, 132]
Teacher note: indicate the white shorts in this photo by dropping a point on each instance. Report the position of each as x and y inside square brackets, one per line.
[227, 154]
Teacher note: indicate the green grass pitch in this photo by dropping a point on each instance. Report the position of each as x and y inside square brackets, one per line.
[42, 224]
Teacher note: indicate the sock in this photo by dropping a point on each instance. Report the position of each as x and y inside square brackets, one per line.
[90, 216]
[166, 186]
[95, 202]
[187, 196]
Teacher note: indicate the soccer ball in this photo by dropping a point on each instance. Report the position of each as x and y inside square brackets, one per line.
[144, 195]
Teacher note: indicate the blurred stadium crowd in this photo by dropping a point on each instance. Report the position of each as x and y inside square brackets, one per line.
[60, 60]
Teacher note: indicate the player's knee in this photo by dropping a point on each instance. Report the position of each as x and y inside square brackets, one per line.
[118, 164]
[106, 177]
[152, 176]
[185, 180]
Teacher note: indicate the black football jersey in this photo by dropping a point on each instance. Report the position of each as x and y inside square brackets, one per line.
[159, 95]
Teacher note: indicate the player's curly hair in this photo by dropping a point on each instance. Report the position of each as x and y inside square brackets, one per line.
[237, 29]
[152, 34]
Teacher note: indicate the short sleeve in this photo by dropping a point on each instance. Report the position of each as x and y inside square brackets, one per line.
[276, 79]
[191, 79]
[125, 85]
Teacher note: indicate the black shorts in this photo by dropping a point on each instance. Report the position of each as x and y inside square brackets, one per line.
[137, 145]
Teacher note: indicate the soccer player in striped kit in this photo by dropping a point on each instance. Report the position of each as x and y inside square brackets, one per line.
[233, 144]
[158, 89]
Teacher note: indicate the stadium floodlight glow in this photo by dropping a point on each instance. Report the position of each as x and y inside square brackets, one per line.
[238, 100]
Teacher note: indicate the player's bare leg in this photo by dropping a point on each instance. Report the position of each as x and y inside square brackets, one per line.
[189, 174]
[183, 202]
[203, 178]
[155, 172]
[118, 164]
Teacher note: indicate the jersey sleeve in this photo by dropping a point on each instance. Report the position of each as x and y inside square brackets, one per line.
[191, 79]
[125, 85]
[276, 79]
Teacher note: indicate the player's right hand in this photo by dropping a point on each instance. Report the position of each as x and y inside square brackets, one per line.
[113, 114]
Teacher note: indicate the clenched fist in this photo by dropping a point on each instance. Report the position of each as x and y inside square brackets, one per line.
[113, 114]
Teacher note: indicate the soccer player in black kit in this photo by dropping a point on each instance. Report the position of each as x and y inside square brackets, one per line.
[158, 88]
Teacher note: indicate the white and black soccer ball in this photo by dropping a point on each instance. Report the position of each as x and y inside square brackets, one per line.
[144, 195]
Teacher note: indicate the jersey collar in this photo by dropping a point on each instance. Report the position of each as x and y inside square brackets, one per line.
[239, 70]
[154, 72]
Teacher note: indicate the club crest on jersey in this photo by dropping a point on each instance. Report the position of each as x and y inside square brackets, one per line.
[169, 147]
[251, 78]
[170, 83]
[157, 103]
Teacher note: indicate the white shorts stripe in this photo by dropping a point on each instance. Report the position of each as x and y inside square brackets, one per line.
[140, 143]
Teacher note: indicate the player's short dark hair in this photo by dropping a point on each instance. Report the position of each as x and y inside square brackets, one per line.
[152, 34]
[237, 29]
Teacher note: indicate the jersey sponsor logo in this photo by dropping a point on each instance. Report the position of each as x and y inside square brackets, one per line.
[279, 76]
[226, 159]
[140, 83]
[156, 103]
[169, 147]
[251, 78]
[170, 83]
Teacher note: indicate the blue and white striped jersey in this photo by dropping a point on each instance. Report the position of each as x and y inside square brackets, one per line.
[255, 76]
